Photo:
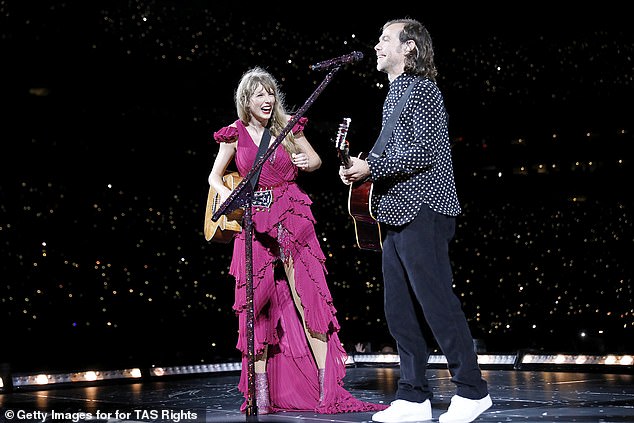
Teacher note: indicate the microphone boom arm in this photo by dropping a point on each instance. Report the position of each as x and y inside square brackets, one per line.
[355, 56]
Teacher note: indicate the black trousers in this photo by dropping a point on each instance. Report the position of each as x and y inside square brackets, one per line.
[418, 277]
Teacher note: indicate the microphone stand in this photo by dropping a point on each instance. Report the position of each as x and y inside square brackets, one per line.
[242, 196]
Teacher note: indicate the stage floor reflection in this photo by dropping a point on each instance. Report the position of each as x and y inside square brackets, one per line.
[518, 396]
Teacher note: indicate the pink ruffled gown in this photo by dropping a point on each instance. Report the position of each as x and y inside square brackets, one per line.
[286, 230]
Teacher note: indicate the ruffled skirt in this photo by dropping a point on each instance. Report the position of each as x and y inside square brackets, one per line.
[286, 231]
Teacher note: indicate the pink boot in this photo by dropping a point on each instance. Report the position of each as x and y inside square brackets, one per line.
[322, 376]
[262, 393]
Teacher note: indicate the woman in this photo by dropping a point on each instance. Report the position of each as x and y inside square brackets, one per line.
[300, 362]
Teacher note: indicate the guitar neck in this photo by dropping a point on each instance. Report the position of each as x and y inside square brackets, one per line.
[344, 157]
[342, 144]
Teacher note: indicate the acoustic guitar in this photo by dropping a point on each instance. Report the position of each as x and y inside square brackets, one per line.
[224, 229]
[366, 228]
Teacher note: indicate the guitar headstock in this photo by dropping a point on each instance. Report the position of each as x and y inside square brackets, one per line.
[341, 143]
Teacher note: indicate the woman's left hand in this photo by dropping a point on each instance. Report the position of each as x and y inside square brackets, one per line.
[300, 160]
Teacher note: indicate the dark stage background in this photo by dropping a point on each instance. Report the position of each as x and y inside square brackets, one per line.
[107, 114]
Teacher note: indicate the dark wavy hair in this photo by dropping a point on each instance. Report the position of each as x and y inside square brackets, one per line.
[419, 61]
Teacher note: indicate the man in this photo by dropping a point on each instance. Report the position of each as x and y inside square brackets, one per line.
[414, 198]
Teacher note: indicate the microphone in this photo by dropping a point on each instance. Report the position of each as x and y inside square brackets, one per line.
[355, 56]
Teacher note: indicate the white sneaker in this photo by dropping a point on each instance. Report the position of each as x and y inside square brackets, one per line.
[404, 411]
[465, 410]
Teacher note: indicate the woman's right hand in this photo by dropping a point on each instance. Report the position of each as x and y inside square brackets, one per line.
[224, 194]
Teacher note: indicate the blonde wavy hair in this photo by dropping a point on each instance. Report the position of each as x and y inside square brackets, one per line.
[249, 83]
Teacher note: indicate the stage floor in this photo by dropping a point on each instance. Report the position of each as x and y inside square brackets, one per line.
[518, 396]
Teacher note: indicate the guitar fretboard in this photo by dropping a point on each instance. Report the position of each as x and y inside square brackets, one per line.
[342, 143]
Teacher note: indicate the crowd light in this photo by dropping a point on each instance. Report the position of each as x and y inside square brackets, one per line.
[194, 369]
[88, 376]
[511, 361]
[518, 361]
[438, 360]
[578, 359]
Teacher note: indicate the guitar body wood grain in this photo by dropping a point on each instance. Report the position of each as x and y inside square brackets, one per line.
[366, 228]
[224, 229]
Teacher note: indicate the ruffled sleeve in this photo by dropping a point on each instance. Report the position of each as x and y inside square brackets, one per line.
[301, 123]
[226, 134]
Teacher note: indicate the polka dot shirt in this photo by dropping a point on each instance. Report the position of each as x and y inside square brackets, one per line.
[416, 166]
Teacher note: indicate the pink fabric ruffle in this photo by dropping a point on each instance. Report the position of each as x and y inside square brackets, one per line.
[226, 134]
[299, 126]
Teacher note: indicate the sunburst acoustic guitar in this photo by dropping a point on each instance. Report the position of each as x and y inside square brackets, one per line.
[367, 229]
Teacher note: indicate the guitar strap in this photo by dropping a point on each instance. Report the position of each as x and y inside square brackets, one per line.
[386, 132]
[264, 145]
